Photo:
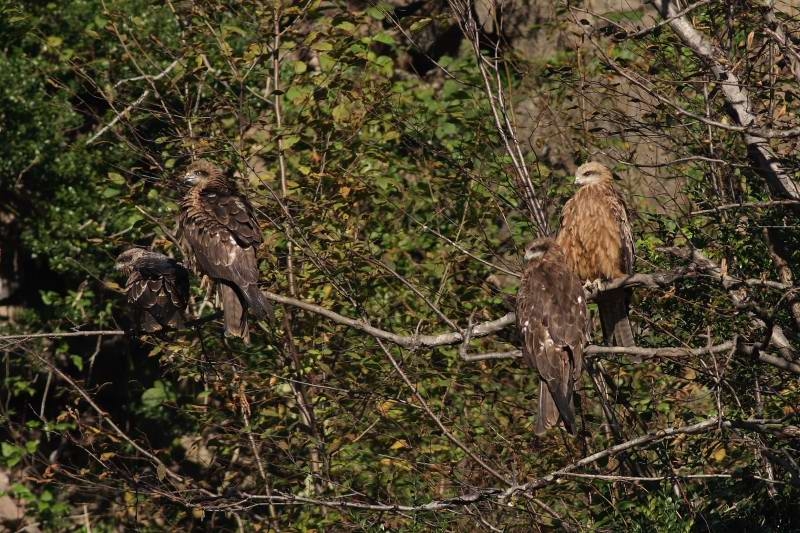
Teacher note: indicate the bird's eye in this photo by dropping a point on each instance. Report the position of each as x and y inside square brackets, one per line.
[201, 173]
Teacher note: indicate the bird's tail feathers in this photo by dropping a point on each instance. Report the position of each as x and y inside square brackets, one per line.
[234, 313]
[554, 405]
[548, 412]
[613, 308]
[177, 320]
[148, 323]
[258, 304]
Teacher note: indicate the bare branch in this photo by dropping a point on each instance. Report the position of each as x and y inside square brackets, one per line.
[493, 87]
[59, 334]
[750, 350]
[119, 117]
[745, 205]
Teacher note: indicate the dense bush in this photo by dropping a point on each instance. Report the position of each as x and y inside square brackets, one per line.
[392, 197]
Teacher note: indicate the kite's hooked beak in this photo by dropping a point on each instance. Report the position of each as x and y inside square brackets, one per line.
[191, 178]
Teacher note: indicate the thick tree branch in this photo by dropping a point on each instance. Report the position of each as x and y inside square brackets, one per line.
[659, 279]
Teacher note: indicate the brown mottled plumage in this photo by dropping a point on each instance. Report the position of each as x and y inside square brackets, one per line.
[552, 319]
[598, 243]
[157, 288]
[218, 224]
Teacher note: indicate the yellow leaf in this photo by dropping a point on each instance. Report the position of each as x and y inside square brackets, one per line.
[396, 463]
[385, 407]
[399, 445]
[326, 290]
[719, 454]
[344, 191]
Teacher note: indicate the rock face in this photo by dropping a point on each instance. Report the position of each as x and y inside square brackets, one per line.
[10, 512]
[553, 121]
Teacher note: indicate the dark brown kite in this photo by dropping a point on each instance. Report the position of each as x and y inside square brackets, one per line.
[218, 224]
[157, 288]
[552, 320]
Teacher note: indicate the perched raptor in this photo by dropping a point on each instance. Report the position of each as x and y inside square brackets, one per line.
[597, 240]
[218, 225]
[157, 288]
[552, 320]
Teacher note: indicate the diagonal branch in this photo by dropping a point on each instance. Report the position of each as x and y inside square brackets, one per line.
[495, 93]
[737, 97]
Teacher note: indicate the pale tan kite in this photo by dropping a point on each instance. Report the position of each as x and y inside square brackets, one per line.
[552, 320]
[598, 243]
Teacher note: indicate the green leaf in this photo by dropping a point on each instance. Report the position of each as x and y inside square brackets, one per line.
[155, 396]
[54, 41]
[340, 113]
[376, 13]
[419, 24]
[384, 38]
[322, 46]
[289, 141]
[8, 449]
[116, 179]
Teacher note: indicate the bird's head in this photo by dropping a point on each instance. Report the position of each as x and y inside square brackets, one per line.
[538, 248]
[127, 259]
[592, 172]
[199, 172]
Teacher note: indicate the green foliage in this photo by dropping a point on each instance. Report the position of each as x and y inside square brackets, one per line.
[401, 208]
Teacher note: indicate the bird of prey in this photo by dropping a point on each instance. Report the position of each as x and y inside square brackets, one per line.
[218, 225]
[157, 288]
[597, 240]
[552, 319]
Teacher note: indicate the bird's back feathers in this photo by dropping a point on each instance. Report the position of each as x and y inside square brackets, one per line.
[551, 317]
[218, 225]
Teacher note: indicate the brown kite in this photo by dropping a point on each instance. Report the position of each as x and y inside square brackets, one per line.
[157, 288]
[218, 224]
[597, 240]
[552, 320]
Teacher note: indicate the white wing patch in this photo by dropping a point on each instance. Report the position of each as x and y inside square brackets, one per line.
[548, 340]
